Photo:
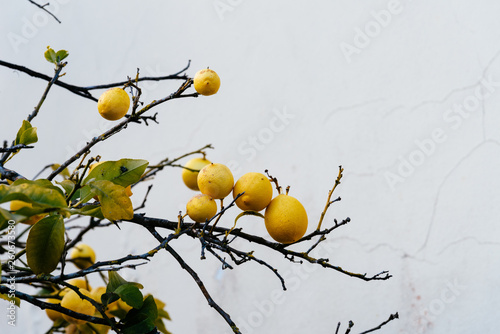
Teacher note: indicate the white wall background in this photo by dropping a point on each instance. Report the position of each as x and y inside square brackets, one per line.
[404, 94]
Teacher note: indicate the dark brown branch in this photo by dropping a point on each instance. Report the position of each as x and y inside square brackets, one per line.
[56, 307]
[120, 126]
[14, 148]
[391, 318]
[198, 281]
[150, 222]
[85, 91]
[45, 9]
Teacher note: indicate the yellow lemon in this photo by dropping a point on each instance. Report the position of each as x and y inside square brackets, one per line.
[113, 104]
[78, 282]
[258, 191]
[215, 180]
[53, 315]
[189, 177]
[17, 205]
[96, 294]
[201, 207]
[83, 256]
[285, 219]
[72, 301]
[206, 82]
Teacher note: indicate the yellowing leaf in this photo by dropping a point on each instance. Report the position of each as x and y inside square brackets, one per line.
[40, 192]
[115, 204]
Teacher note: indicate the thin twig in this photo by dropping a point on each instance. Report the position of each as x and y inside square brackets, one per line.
[45, 9]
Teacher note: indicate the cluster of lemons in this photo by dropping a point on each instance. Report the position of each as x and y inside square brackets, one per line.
[114, 103]
[285, 217]
[82, 256]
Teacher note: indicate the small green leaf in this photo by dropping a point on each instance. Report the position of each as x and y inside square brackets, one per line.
[29, 137]
[115, 204]
[109, 297]
[138, 324]
[163, 314]
[115, 281]
[139, 321]
[50, 55]
[61, 54]
[40, 192]
[45, 244]
[160, 325]
[130, 294]
[67, 185]
[89, 210]
[26, 134]
[123, 172]
[5, 216]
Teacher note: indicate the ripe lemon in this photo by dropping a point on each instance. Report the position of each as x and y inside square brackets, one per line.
[96, 294]
[286, 219]
[83, 256]
[53, 315]
[215, 180]
[258, 192]
[201, 207]
[190, 178]
[17, 205]
[80, 283]
[113, 104]
[72, 301]
[206, 82]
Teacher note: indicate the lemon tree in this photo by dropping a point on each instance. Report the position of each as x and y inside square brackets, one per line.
[68, 199]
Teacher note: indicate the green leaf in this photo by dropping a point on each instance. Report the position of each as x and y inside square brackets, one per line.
[163, 314]
[45, 244]
[130, 294]
[109, 297]
[50, 55]
[139, 321]
[115, 204]
[115, 281]
[40, 192]
[139, 324]
[61, 54]
[5, 216]
[161, 326]
[67, 185]
[123, 172]
[26, 134]
[89, 210]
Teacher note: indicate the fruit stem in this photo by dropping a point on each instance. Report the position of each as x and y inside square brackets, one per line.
[329, 201]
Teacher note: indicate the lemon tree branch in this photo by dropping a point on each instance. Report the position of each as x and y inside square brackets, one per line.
[120, 126]
[85, 91]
